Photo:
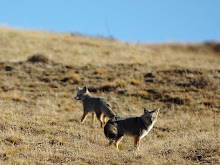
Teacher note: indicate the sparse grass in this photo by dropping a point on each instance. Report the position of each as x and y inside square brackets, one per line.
[40, 120]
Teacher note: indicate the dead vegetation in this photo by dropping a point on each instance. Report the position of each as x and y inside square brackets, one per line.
[38, 58]
[40, 120]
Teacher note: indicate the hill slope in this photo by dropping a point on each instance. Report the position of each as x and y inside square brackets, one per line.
[40, 120]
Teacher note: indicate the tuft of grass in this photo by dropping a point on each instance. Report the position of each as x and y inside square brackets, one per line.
[101, 71]
[193, 88]
[135, 82]
[13, 140]
[143, 94]
[72, 79]
[111, 86]
[148, 94]
[57, 141]
[69, 109]
[211, 102]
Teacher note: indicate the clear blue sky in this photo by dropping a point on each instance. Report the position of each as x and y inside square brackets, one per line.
[126, 20]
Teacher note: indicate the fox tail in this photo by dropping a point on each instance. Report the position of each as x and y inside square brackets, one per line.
[110, 130]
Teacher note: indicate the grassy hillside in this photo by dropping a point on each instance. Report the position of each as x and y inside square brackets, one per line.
[40, 120]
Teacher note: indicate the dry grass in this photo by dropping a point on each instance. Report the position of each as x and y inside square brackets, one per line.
[40, 120]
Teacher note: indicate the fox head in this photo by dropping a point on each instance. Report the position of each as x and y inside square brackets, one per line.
[81, 93]
[150, 117]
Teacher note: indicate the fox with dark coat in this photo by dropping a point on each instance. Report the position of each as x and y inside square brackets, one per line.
[138, 127]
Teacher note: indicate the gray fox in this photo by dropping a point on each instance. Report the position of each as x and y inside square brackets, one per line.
[98, 106]
[138, 127]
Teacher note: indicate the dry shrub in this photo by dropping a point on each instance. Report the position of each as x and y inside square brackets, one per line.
[148, 94]
[101, 71]
[143, 94]
[112, 85]
[38, 58]
[135, 82]
[151, 75]
[109, 86]
[72, 79]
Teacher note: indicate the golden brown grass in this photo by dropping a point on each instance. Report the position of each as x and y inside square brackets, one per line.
[40, 120]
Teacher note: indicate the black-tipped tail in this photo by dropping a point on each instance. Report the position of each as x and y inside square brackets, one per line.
[110, 131]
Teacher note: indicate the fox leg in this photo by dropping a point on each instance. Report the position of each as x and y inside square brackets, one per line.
[84, 116]
[101, 118]
[137, 142]
[93, 116]
[105, 119]
[117, 142]
[110, 142]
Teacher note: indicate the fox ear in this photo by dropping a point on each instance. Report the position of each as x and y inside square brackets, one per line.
[85, 89]
[77, 88]
[146, 111]
[156, 111]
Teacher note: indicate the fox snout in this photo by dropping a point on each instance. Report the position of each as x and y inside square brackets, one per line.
[77, 98]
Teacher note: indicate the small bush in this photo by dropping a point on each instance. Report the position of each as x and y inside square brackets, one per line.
[38, 58]
[72, 79]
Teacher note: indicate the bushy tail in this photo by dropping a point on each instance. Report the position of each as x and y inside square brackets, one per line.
[110, 130]
[107, 110]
